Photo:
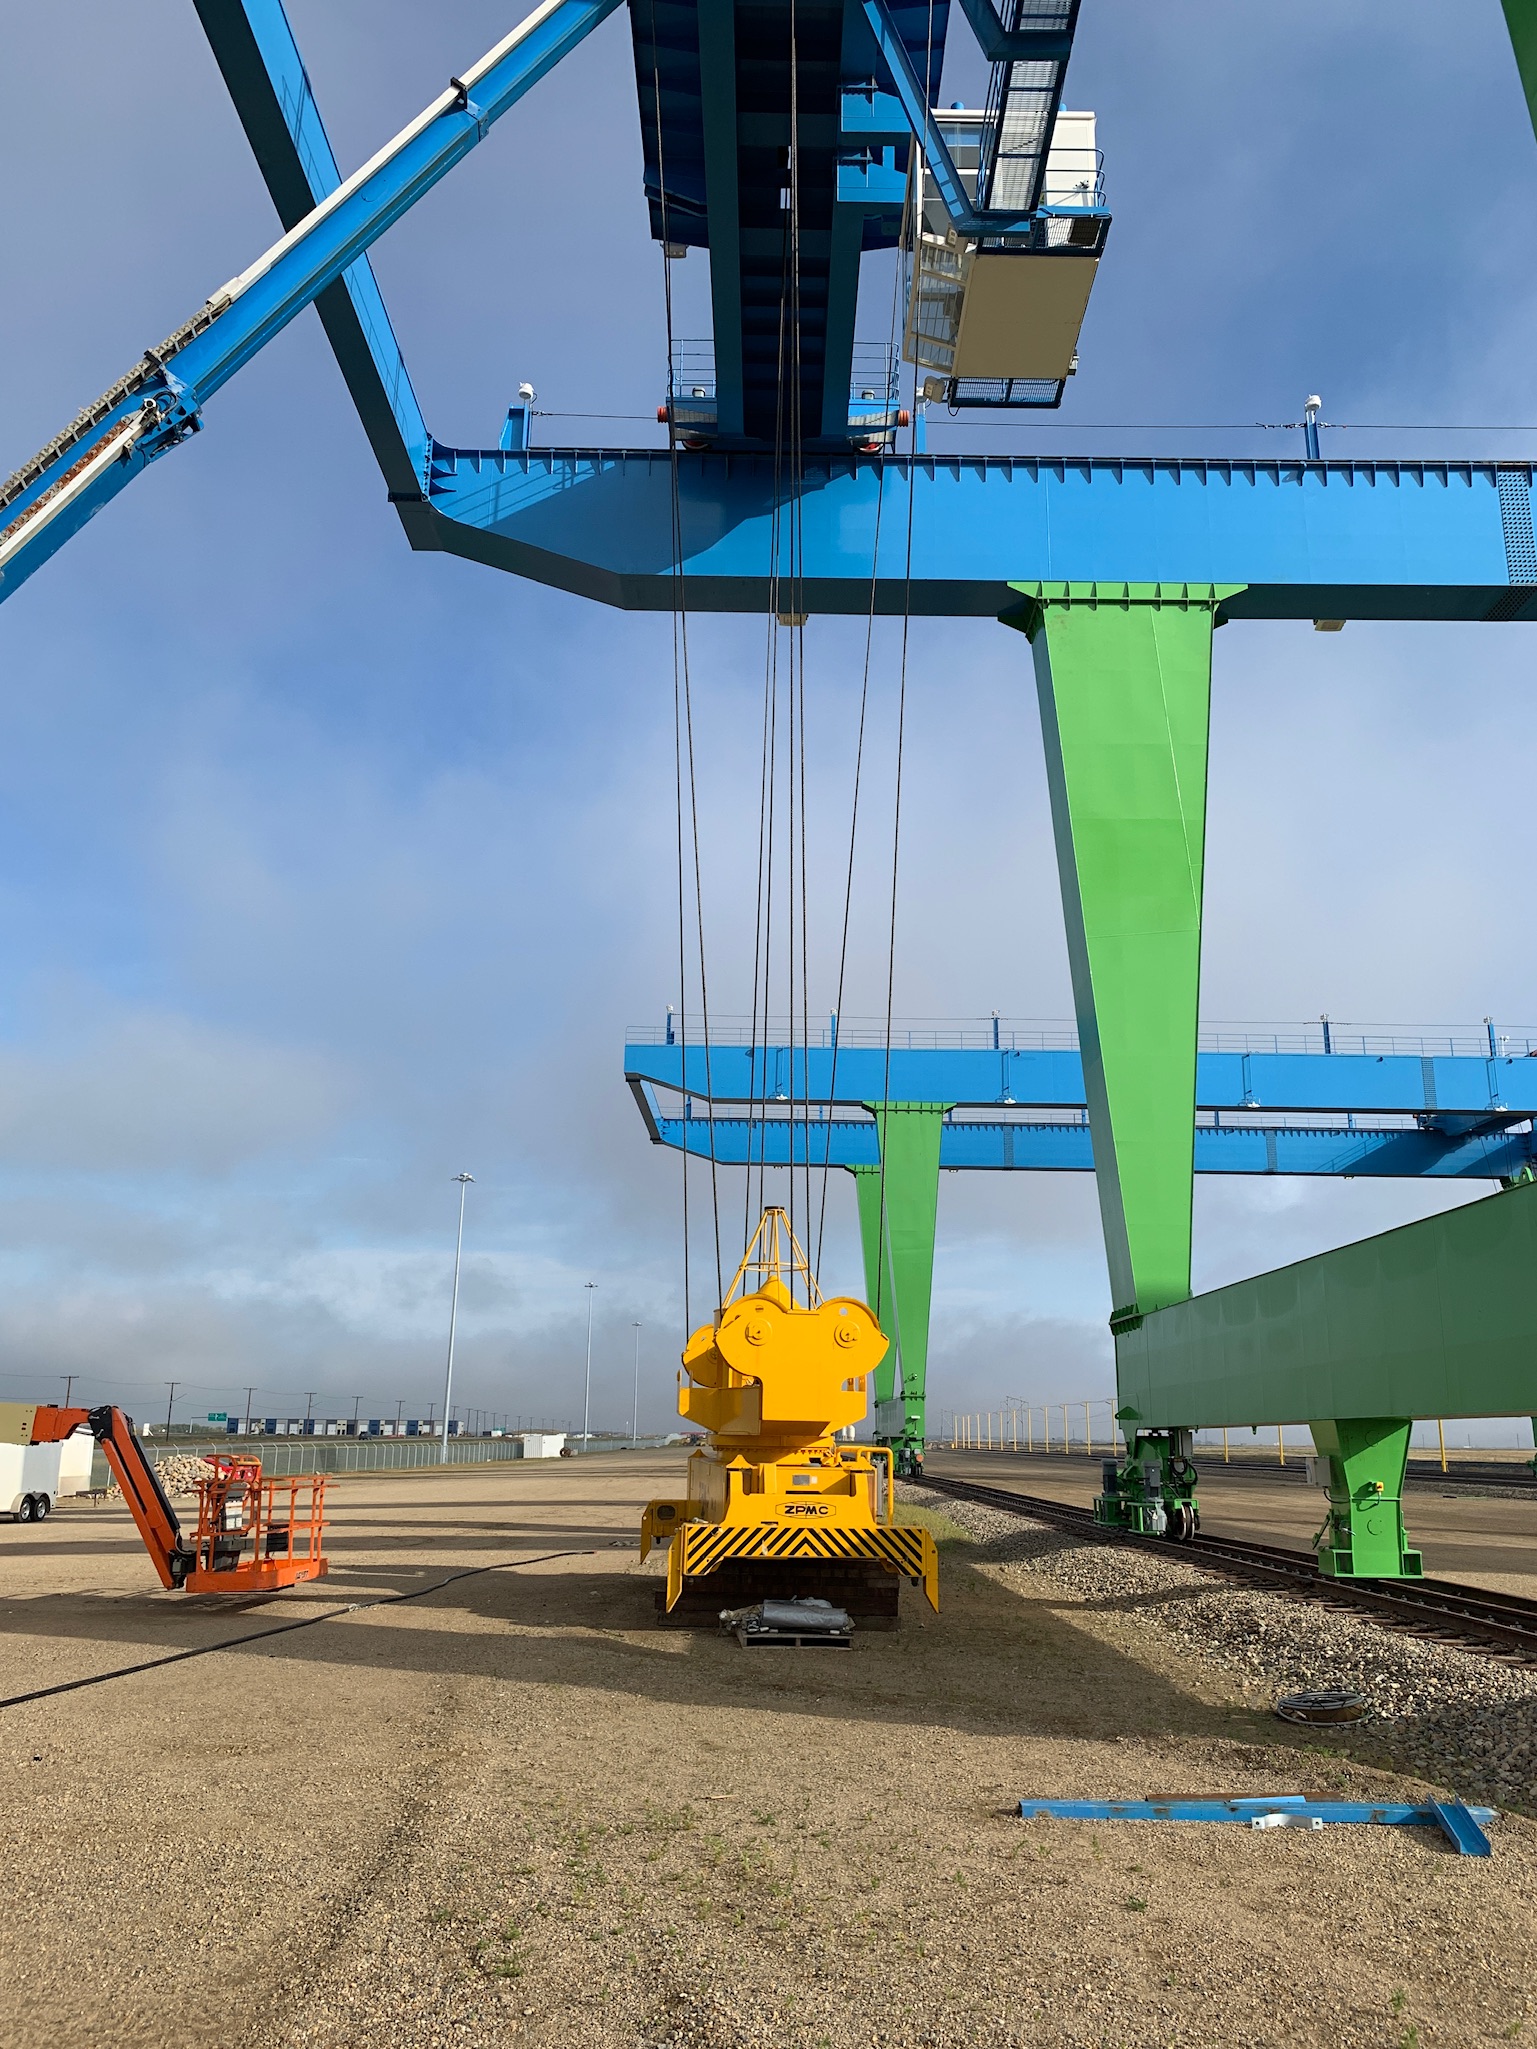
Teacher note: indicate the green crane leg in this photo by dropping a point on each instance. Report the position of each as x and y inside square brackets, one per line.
[1521, 20]
[1124, 679]
[1363, 1533]
[898, 1203]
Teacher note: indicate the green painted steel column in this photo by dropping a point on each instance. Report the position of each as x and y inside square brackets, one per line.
[867, 1189]
[1363, 1537]
[899, 1203]
[1123, 673]
[1521, 20]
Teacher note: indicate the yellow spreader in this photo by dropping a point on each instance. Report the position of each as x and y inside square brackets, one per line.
[777, 1505]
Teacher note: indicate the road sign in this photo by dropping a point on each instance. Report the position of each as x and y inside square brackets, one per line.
[218, 1415]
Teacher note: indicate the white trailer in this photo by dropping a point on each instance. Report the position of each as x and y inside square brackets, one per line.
[34, 1476]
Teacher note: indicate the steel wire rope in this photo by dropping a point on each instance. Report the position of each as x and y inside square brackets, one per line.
[753, 1122]
[683, 730]
[859, 745]
[796, 692]
[766, 817]
[883, 1230]
[768, 795]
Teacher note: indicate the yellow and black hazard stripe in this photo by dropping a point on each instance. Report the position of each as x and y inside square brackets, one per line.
[698, 1548]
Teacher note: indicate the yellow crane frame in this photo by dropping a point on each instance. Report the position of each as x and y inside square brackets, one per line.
[773, 1381]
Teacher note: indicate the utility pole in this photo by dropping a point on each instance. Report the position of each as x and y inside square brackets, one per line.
[309, 1404]
[357, 1403]
[173, 1385]
[69, 1382]
[464, 1181]
[635, 1402]
[587, 1385]
[400, 1409]
[248, 1394]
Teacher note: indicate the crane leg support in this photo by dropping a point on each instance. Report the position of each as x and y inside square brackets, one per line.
[1123, 674]
[898, 1206]
[1363, 1533]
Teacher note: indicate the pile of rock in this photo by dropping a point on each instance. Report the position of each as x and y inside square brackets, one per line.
[179, 1476]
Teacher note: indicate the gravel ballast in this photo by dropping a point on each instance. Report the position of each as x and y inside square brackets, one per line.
[1464, 1719]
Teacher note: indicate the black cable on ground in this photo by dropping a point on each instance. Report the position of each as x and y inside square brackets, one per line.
[232, 1643]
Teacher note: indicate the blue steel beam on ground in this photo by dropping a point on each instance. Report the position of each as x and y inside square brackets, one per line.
[1039, 1148]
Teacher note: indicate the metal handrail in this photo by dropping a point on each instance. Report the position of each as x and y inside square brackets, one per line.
[1010, 1035]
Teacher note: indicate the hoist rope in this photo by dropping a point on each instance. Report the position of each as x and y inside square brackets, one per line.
[683, 745]
[783, 679]
[883, 1233]
[859, 755]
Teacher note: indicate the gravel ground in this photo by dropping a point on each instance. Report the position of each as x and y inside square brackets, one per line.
[1462, 1719]
[511, 1813]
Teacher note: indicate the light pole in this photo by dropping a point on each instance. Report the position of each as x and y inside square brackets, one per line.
[635, 1403]
[464, 1181]
[587, 1385]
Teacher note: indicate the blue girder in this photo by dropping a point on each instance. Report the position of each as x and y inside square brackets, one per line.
[968, 1146]
[1335, 540]
[1461, 1117]
[1445, 1087]
[1324, 540]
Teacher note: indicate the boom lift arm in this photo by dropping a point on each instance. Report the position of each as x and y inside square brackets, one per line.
[253, 1535]
[157, 1522]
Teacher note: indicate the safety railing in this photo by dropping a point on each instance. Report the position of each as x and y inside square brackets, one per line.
[1486, 1041]
[874, 382]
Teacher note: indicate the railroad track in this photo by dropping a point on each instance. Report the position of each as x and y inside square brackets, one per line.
[1473, 1478]
[1438, 1609]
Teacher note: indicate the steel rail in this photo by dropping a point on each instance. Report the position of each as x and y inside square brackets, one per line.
[1475, 1477]
[1435, 1608]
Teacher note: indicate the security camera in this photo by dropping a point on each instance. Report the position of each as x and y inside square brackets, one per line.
[527, 394]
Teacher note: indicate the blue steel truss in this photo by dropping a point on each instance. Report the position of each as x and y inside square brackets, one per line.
[976, 1146]
[1340, 1114]
[1337, 540]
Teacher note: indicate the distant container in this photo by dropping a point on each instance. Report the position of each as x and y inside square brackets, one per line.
[542, 1443]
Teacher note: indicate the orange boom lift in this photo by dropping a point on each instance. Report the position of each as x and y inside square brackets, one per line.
[253, 1535]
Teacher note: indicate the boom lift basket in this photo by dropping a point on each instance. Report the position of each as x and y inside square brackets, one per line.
[255, 1534]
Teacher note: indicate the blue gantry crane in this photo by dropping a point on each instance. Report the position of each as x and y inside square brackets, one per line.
[899, 1111]
[758, 122]
[805, 134]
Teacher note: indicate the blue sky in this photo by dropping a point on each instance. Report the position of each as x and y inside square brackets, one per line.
[327, 870]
